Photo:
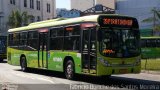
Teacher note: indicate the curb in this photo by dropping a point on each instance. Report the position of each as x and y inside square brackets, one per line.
[150, 72]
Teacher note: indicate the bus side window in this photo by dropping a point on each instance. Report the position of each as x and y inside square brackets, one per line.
[53, 32]
[33, 39]
[10, 39]
[158, 42]
[154, 43]
[143, 43]
[72, 38]
[16, 39]
[23, 38]
[56, 38]
[148, 43]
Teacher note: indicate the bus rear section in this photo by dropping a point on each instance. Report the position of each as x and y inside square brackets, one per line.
[150, 47]
[3, 47]
[118, 46]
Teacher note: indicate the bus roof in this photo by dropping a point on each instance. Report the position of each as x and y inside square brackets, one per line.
[47, 21]
[57, 22]
[152, 37]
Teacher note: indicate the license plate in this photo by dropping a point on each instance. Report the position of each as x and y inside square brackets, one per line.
[123, 71]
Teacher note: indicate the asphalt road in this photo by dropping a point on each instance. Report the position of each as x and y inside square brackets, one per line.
[12, 78]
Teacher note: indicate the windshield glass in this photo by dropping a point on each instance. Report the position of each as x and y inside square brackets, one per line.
[119, 43]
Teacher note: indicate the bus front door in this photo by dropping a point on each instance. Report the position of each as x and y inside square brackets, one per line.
[89, 51]
[42, 52]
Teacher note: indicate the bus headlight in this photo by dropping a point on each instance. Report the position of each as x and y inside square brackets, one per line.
[104, 62]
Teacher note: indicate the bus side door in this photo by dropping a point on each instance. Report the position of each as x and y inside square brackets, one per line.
[89, 51]
[43, 49]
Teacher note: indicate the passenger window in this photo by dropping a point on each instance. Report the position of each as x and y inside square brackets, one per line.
[56, 38]
[33, 40]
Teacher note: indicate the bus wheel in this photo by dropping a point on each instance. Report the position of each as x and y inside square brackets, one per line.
[69, 69]
[23, 64]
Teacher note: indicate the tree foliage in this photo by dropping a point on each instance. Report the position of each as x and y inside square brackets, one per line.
[18, 19]
[154, 19]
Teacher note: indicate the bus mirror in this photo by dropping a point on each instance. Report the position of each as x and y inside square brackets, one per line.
[99, 35]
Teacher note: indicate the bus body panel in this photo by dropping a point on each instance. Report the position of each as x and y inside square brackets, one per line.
[150, 47]
[150, 52]
[13, 56]
[56, 60]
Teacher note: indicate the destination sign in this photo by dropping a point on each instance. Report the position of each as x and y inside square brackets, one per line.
[117, 21]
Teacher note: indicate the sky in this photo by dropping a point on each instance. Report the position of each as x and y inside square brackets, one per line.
[63, 4]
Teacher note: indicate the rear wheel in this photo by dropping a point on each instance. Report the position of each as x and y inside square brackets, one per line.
[69, 69]
[23, 64]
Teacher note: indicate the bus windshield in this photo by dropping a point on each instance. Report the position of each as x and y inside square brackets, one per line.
[119, 43]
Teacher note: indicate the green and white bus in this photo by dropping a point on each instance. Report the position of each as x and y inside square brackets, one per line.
[150, 47]
[98, 45]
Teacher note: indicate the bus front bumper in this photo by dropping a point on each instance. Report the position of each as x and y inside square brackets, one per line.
[119, 70]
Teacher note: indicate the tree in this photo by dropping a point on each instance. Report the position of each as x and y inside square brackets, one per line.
[17, 19]
[155, 19]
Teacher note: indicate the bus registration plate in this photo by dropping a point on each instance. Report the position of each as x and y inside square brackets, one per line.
[123, 71]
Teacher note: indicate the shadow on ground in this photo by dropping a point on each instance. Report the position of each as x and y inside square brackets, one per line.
[114, 81]
[3, 61]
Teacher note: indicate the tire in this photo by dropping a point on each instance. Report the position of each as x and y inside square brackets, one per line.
[23, 64]
[69, 69]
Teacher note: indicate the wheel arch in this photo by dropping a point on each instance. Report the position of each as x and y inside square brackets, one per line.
[67, 58]
[22, 55]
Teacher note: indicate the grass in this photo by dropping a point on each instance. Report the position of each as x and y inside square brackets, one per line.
[151, 64]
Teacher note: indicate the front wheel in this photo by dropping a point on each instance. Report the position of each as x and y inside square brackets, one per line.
[23, 64]
[69, 70]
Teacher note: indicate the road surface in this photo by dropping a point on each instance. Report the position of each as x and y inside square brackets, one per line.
[12, 78]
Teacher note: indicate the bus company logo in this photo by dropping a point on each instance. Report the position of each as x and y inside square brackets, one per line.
[107, 51]
[33, 55]
[57, 59]
[16, 55]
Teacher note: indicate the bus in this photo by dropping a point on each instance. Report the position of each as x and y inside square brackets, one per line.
[3, 48]
[96, 45]
[150, 47]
